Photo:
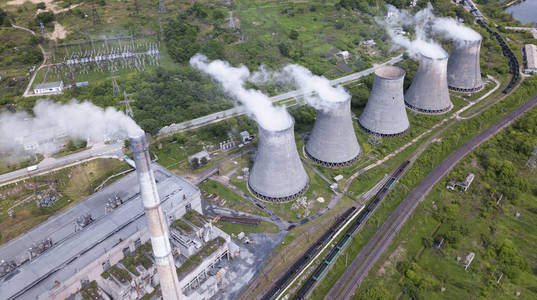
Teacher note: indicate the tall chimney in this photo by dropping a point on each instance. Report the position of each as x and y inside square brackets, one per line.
[158, 227]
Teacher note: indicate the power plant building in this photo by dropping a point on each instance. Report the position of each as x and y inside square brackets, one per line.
[80, 255]
[385, 113]
[332, 141]
[428, 92]
[277, 173]
[463, 70]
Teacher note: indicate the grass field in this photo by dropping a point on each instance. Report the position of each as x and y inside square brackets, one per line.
[71, 184]
[501, 241]
[231, 228]
[233, 201]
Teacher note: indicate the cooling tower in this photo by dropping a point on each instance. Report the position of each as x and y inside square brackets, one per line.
[385, 112]
[277, 173]
[332, 141]
[429, 93]
[158, 227]
[463, 72]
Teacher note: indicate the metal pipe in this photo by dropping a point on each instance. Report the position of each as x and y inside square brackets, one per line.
[156, 221]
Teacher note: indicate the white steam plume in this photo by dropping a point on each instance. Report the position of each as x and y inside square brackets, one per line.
[232, 79]
[421, 22]
[452, 29]
[77, 120]
[317, 90]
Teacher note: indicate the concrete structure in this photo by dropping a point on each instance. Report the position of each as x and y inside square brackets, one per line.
[452, 184]
[277, 173]
[199, 156]
[158, 227]
[81, 255]
[385, 113]
[332, 141]
[530, 54]
[48, 88]
[246, 137]
[429, 93]
[463, 71]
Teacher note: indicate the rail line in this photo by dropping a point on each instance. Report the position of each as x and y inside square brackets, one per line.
[332, 256]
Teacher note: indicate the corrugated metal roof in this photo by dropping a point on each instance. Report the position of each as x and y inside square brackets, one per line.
[531, 56]
[48, 85]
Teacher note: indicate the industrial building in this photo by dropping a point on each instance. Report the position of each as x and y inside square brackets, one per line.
[463, 70]
[48, 88]
[332, 141]
[81, 253]
[428, 92]
[277, 173]
[530, 54]
[385, 113]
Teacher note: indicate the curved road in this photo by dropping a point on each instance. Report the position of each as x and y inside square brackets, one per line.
[376, 246]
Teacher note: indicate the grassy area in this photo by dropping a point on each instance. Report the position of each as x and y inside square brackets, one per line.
[232, 228]
[452, 138]
[233, 201]
[120, 274]
[182, 226]
[71, 184]
[195, 218]
[471, 221]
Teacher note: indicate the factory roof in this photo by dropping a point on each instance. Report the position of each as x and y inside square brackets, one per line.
[531, 56]
[85, 246]
[48, 85]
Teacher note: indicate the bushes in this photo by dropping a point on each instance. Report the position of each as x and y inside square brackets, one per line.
[181, 40]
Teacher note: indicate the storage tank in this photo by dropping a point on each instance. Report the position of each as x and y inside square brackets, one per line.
[385, 113]
[277, 174]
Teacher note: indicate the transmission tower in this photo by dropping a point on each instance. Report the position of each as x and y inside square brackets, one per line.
[94, 14]
[128, 108]
[161, 7]
[115, 87]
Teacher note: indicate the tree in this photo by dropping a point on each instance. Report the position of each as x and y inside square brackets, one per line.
[181, 40]
[195, 163]
[284, 49]
[45, 17]
[41, 5]
[4, 21]
[203, 161]
[293, 34]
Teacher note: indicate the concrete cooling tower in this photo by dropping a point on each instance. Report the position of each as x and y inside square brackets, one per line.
[277, 174]
[429, 93]
[332, 141]
[385, 112]
[463, 72]
[156, 221]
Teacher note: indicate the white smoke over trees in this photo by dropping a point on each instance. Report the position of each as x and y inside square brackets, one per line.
[428, 27]
[78, 120]
[316, 90]
[233, 79]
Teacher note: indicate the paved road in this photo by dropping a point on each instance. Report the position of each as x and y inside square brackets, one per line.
[376, 246]
[49, 164]
[239, 110]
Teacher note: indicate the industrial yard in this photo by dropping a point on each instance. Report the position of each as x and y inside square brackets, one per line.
[266, 150]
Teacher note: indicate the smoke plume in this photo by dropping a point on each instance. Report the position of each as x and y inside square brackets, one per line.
[427, 27]
[51, 120]
[257, 104]
[317, 90]
[452, 29]
[421, 21]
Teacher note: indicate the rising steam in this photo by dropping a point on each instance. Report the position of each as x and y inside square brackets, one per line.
[257, 104]
[455, 30]
[427, 26]
[76, 120]
[317, 90]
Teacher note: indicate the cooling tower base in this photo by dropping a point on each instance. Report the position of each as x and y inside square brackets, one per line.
[277, 199]
[473, 90]
[429, 111]
[331, 164]
[368, 131]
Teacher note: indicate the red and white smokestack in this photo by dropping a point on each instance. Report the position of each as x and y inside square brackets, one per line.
[158, 227]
